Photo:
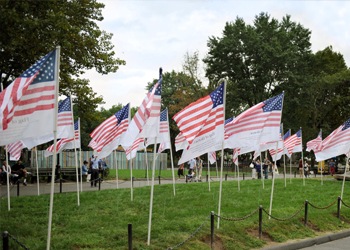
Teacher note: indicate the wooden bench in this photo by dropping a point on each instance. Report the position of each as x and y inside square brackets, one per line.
[45, 173]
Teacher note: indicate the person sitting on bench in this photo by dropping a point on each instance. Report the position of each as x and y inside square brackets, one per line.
[18, 171]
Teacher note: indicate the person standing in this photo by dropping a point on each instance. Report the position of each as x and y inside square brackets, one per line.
[180, 170]
[257, 166]
[301, 168]
[199, 168]
[192, 164]
[266, 166]
[85, 171]
[94, 171]
[19, 170]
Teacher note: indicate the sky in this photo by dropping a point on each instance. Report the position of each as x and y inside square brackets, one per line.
[150, 34]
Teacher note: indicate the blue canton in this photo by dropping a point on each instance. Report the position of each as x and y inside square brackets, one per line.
[76, 125]
[217, 96]
[286, 135]
[159, 88]
[274, 103]
[229, 120]
[64, 105]
[122, 114]
[299, 133]
[164, 115]
[346, 125]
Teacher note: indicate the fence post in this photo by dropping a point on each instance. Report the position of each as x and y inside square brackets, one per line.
[207, 178]
[295, 174]
[99, 183]
[243, 176]
[130, 236]
[5, 240]
[186, 178]
[159, 179]
[338, 212]
[60, 185]
[260, 221]
[225, 177]
[18, 188]
[211, 229]
[306, 212]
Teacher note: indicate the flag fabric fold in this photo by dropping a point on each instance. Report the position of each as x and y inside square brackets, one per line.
[27, 104]
[337, 143]
[202, 124]
[315, 143]
[15, 149]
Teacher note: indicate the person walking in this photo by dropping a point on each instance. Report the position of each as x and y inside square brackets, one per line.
[94, 171]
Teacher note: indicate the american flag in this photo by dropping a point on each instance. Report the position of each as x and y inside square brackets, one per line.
[236, 153]
[276, 155]
[145, 121]
[66, 143]
[180, 142]
[293, 143]
[138, 144]
[110, 130]
[315, 143]
[337, 143]
[65, 113]
[19, 99]
[29, 102]
[203, 116]
[15, 150]
[257, 125]
[212, 157]
[228, 127]
[164, 137]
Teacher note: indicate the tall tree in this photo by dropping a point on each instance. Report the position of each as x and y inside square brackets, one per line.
[258, 60]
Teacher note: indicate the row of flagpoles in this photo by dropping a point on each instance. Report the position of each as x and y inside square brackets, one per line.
[30, 103]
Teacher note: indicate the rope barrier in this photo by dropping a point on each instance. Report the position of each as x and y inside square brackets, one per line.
[287, 218]
[17, 241]
[238, 219]
[323, 207]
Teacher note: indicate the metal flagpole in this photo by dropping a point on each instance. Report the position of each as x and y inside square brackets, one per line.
[171, 155]
[75, 155]
[146, 160]
[58, 49]
[116, 167]
[261, 171]
[8, 172]
[208, 173]
[343, 184]
[152, 191]
[131, 181]
[37, 170]
[302, 155]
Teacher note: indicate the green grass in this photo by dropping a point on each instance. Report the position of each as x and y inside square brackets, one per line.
[101, 220]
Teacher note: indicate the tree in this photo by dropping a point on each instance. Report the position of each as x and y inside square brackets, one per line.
[31, 29]
[258, 60]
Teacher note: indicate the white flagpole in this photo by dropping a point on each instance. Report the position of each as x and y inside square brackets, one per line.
[131, 181]
[273, 182]
[239, 184]
[8, 169]
[222, 161]
[116, 167]
[152, 190]
[37, 170]
[80, 158]
[58, 49]
[75, 155]
[146, 160]
[208, 172]
[261, 171]
[302, 155]
[346, 166]
[284, 159]
[290, 169]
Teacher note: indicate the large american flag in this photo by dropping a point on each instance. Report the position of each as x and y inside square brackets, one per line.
[315, 143]
[66, 143]
[146, 120]
[257, 125]
[26, 100]
[19, 94]
[337, 143]
[15, 149]
[110, 130]
[293, 143]
[203, 116]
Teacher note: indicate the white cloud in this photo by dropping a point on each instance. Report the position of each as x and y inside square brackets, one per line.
[151, 34]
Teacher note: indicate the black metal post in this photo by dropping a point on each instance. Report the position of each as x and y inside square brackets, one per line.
[243, 176]
[159, 179]
[132, 181]
[99, 183]
[295, 174]
[130, 236]
[60, 185]
[207, 178]
[211, 229]
[260, 221]
[225, 177]
[5, 240]
[18, 187]
[306, 212]
[186, 178]
[339, 202]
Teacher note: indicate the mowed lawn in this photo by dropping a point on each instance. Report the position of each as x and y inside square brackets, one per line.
[181, 221]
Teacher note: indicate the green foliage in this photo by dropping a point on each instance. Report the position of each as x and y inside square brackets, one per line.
[101, 220]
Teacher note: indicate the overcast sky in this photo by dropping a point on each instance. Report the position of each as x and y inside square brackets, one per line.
[150, 34]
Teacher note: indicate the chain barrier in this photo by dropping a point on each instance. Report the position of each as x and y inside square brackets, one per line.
[190, 237]
[17, 241]
[238, 219]
[287, 218]
[344, 204]
[312, 205]
[12, 186]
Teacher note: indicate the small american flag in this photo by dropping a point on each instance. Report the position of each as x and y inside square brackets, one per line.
[66, 143]
[212, 157]
[164, 137]
[111, 129]
[138, 144]
[65, 113]
[203, 116]
[315, 143]
[293, 142]
[236, 153]
[180, 142]
[15, 150]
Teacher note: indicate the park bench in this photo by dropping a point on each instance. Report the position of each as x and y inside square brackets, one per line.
[44, 173]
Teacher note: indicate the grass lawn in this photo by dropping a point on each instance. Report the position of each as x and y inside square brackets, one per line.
[101, 221]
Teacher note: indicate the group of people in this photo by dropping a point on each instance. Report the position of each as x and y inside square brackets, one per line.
[195, 166]
[262, 169]
[93, 169]
[17, 173]
[304, 169]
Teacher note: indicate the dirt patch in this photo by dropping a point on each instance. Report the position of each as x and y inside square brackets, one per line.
[264, 236]
[217, 244]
